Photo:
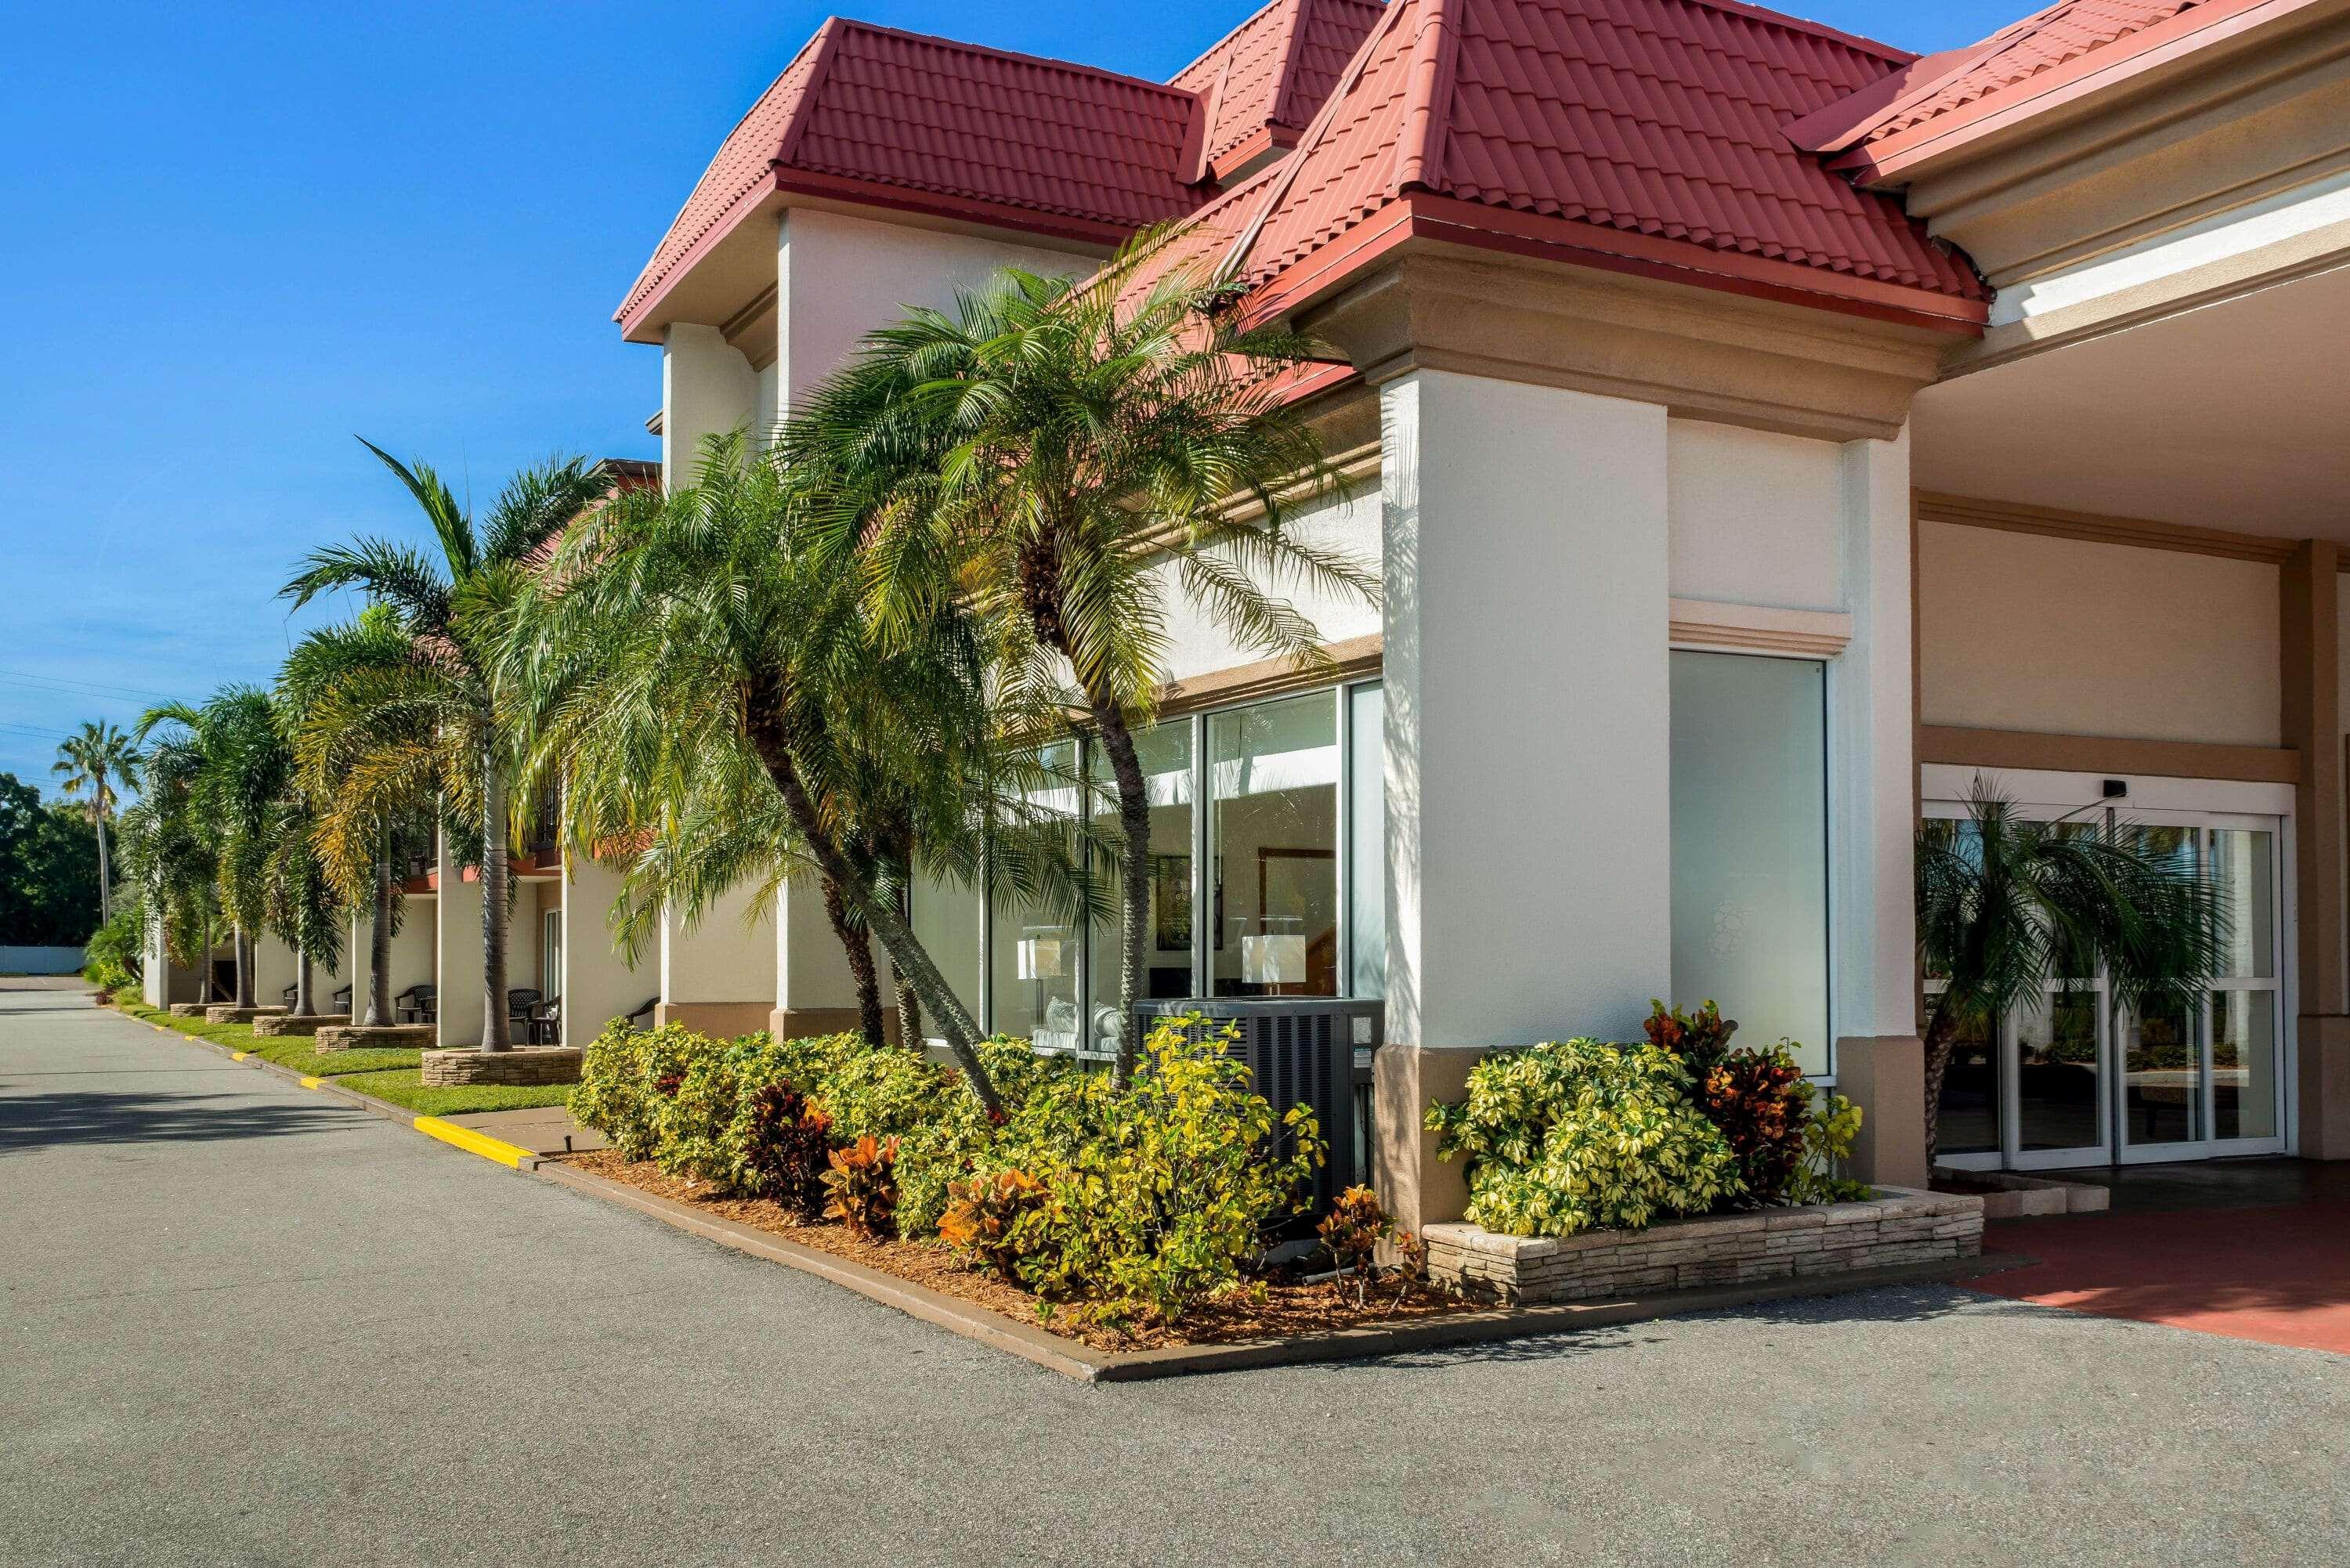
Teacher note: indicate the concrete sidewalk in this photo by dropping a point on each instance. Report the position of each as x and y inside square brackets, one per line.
[244, 1323]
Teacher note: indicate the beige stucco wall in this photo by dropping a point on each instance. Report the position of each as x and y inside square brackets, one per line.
[2018, 631]
[1754, 517]
[1345, 524]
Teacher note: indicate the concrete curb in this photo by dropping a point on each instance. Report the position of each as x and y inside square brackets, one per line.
[1076, 1359]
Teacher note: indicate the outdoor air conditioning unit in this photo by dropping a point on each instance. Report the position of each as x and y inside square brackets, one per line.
[1310, 1051]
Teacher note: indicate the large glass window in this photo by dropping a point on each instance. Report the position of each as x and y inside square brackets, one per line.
[1274, 838]
[1367, 853]
[1033, 962]
[1165, 753]
[1750, 862]
[2244, 1079]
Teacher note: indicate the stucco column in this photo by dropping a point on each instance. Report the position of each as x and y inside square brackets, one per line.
[1527, 739]
[458, 962]
[815, 993]
[598, 983]
[707, 388]
[1873, 787]
[274, 967]
[2310, 687]
[718, 973]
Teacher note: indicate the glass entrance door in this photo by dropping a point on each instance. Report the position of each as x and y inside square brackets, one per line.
[2076, 1079]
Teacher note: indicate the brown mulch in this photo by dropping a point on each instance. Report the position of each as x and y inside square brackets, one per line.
[1260, 1310]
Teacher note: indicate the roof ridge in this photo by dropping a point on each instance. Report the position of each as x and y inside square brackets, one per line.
[826, 48]
[1236, 29]
[1076, 67]
[1428, 85]
[1285, 74]
[1763, 14]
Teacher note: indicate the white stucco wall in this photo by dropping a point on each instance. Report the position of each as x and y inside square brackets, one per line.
[599, 982]
[2018, 631]
[838, 278]
[1346, 523]
[1754, 516]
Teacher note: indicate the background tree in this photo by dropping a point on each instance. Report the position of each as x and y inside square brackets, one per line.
[370, 758]
[49, 861]
[93, 761]
[169, 853]
[237, 767]
[2006, 904]
[458, 609]
[1068, 457]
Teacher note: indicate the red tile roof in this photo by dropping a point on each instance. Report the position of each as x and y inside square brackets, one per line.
[1263, 81]
[2046, 58]
[1660, 120]
[1032, 143]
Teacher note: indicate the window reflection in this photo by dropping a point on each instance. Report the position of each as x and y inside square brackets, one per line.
[1165, 753]
[1273, 838]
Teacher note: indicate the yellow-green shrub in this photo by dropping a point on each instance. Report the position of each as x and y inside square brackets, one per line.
[1584, 1135]
[626, 1078]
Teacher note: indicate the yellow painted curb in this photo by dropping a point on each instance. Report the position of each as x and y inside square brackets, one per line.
[309, 1082]
[238, 1056]
[471, 1142]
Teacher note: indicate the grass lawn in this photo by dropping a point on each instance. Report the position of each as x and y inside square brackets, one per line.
[388, 1074]
[406, 1087]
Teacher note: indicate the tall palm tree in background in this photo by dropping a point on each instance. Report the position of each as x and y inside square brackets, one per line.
[2006, 904]
[363, 711]
[1069, 456]
[170, 853]
[235, 766]
[94, 762]
[695, 647]
[457, 610]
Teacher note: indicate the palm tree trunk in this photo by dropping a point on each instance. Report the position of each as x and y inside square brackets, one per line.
[1134, 879]
[378, 996]
[763, 725]
[909, 1009]
[860, 949]
[244, 945]
[497, 1034]
[305, 998]
[105, 878]
[1942, 1033]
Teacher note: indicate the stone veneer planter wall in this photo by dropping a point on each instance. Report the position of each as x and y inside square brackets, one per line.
[276, 1023]
[231, 1013]
[1897, 1226]
[360, 1036]
[523, 1064]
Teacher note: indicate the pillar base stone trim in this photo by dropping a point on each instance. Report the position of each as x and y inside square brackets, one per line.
[1417, 1189]
[1885, 1076]
[721, 1019]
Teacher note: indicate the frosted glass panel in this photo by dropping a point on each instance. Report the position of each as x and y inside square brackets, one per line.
[1033, 959]
[1749, 846]
[1367, 869]
[947, 919]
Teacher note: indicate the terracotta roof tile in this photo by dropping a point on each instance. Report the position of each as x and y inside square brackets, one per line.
[927, 116]
[1663, 118]
[1274, 70]
[2041, 42]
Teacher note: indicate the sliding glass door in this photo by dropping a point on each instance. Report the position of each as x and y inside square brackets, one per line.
[2077, 1077]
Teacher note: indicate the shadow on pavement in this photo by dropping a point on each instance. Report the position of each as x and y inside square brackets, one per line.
[104, 1116]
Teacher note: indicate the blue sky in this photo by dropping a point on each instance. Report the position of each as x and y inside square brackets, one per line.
[239, 234]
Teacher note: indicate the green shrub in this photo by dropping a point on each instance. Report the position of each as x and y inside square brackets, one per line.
[997, 1220]
[625, 1078]
[1582, 1136]
[1828, 1135]
[1159, 1194]
[111, 958]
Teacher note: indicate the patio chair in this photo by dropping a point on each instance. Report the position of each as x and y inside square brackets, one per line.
[546, 1023]
[342, 1002]
[641, 1020]
[420, 1004]
[289, 999]
[520, 999]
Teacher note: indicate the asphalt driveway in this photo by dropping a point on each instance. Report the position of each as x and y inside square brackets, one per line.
[243, 1325]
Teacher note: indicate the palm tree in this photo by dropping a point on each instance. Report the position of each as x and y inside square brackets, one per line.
[456, 611]
[94, 762]
[233, 764]
[363, 711]
[1067, 455]
[698, 664]
[169, 854]
[2006, 904]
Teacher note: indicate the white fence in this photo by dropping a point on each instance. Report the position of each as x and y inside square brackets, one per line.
[40, 961]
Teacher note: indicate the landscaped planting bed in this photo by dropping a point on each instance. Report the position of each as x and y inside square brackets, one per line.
[1270, 1308]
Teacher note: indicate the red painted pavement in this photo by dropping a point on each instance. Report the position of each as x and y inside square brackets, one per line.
[2280, 1275]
